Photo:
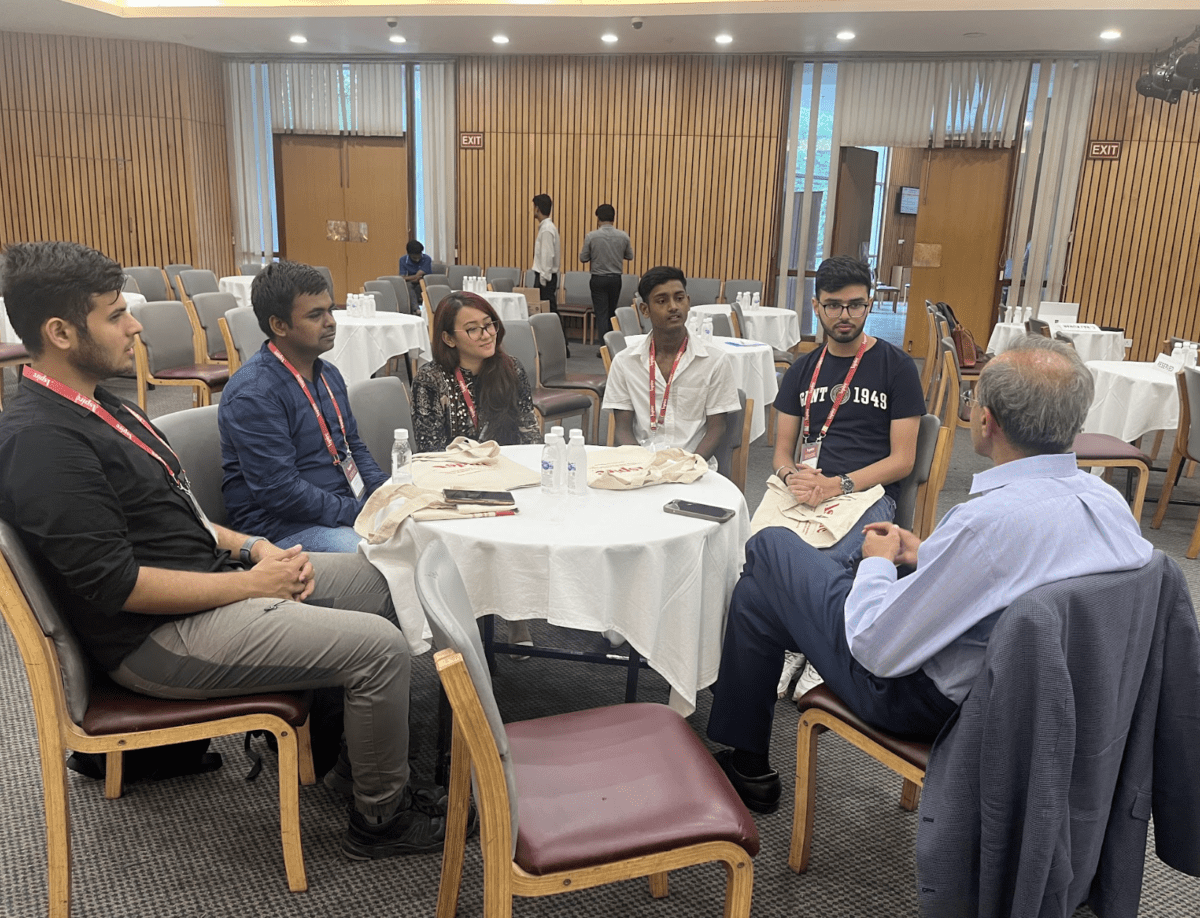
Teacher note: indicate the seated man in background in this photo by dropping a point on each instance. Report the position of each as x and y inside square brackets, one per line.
[670, 390]
[295, 467]
[414, 266]
[163, 600]
[903, 653]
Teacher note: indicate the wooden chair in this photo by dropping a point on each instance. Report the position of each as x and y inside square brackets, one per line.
[552, 372]
[151, 282]
[243, 335]
[732, 452]
[575, 302]
[75, 711]
[172, 272]
[625, 320]
[704, 290]
[548, 404]
[606, 357]
[644, 795]
[11, 355]
[1186, 449]
[165, 353]
[232, 358]
[456, 273]
[206, 311]
[1038, 327]
[380, 405]
[194, 435]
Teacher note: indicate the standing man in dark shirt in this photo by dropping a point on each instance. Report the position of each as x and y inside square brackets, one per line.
[296, 470]
[605, 249]
[166, 602]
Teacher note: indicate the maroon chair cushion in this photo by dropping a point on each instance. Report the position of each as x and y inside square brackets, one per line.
[114, 709]
[623, 781]
[219, 355]
[13, 352]
[1102, 446]
[559, 401]
[209, 373]
[821, 698]
[593, 381]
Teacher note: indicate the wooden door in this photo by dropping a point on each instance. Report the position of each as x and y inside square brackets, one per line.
[310, 193]
[855, 202]
[376, 194]
[959, 235]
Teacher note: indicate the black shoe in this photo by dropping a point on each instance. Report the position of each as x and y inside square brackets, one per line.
[411, 831]
[760, 793]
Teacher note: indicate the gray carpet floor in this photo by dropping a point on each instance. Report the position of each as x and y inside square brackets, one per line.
[208, 846]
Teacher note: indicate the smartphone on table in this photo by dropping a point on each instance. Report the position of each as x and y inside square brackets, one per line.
[699, 511]
[487, 498]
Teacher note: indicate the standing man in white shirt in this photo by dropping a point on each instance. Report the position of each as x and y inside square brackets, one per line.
[605, 251]
[546, 257]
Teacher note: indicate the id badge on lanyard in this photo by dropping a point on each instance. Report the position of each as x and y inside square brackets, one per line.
[810, 454]
[353, 476]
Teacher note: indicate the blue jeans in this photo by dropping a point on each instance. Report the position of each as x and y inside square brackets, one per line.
[792, 596]
[848, 550]
[323, 538]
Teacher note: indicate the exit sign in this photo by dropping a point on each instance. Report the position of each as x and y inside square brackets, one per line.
[1104, 149]
[470, 141]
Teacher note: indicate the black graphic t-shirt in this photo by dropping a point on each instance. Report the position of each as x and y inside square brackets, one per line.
[885, 387]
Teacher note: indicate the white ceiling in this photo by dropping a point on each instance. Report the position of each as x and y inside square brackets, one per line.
[576, 28]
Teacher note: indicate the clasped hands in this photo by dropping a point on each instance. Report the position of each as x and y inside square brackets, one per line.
[285, 573]
[810, 487]
[887, 540]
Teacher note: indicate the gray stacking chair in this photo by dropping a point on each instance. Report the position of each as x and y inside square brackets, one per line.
[906, 499]
[439, 267]
[196, 280]
[196, 439]
[735, 287]
[615, 341]
[512, 275]
[502, 285]
[385, 295]
[403, 293]
[552, 366]
[627, 321]
[208, 310]
[731, 451]
[436, 293]
[629, 285]
[251, 268]
[245, 334]
[172, 272]
[328, 275]
[722, 328]
[151, 282]
[576, 302]
[549, 404]
[703, 290]
[379, 406]
[165, 352]
[456, 273]
[130, 286]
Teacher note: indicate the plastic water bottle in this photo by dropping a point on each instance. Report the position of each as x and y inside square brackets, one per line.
[401, 458]
[577, 485]
[706, 330]
[559, 431]
[755, 300]
[552, 465]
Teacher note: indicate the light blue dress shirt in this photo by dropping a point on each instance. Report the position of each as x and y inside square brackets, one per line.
[1037, 520]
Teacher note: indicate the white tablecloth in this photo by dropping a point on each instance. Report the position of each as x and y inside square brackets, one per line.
[662, 581]
[1003, 336]
[1132, 398]
[239, 286]
[777, 327]
[7, 335]
[753, 373]
[363, 345]
[1096, 344]
[509, 306]
[132, 299]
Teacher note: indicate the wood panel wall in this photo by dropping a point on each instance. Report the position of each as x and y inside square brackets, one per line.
[1133, 261]
[116, 144]
[907, 167]
[687, 149]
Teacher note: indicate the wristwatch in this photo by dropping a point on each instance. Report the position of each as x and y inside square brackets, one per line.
[847, 484]
[247, 547]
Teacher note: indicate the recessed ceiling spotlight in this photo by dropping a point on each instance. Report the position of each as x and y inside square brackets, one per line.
[298, 40]
[974, 34]
[396, 39]
[1110, 34]
[500, 39]
[845, 35]
[608, 38]
[724, 39]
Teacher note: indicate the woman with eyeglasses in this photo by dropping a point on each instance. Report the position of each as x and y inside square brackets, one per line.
[472, 388]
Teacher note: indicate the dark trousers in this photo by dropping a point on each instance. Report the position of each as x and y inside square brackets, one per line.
[548, 290]
[792, 597]
[606, 289]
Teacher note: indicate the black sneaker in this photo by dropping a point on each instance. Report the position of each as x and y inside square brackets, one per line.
[410, 831]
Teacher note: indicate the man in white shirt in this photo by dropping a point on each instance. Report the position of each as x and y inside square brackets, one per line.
[903, 653]
[546, 254]
[669, 389]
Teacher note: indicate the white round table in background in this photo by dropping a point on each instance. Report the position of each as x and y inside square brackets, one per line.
[753, 373]
[365, 344]
[7, 334]
[1003, 335]
[134, 299]
[777, 327]
[239, 286]
[1096, 344]
[509, 306]
[1132, 398]
[609, 560]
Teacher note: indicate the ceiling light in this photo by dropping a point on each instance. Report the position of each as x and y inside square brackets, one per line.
[500, 39]
[608, 38]
[1110, 34]
[724, 39]
[845, 35]
[298, 40]
[396, 39]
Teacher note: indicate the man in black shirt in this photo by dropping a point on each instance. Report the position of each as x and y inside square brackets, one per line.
[166, 602]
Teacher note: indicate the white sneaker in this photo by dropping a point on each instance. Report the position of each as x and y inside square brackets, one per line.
[614, 638]
[810, 678]
[792, 663]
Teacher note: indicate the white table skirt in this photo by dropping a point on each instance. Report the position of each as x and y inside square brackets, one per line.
[509, 306]
[1132, 398]
[611, 559]
[1096, 344]
[1004, 334]
[777, 327]
[7, 334]
[363, 345]
[239, 286]
[753, 373]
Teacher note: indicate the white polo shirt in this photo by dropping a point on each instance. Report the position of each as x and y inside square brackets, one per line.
[703, 385]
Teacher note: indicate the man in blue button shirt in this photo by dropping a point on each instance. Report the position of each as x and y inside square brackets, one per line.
[296, 470]
[902, 653]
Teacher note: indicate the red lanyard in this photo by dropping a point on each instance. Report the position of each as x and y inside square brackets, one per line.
[662, 413]
[325, 435]
[179, 480]
[842, 393]
[466, 394]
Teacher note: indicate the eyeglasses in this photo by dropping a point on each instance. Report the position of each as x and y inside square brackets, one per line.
[968, 397]
[479, 332]
[857, 309]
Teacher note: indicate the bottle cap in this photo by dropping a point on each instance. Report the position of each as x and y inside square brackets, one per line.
[400, 433]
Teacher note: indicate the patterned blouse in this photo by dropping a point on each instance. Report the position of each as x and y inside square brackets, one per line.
[440, 413]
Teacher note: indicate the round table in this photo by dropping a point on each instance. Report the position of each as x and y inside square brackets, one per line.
[134, 299]
[364, 344]
[239, 286]
[1132, 398]
[608, 560]
[1095, 343]
[779, 328]
[753, 373]
[7, 334]
[509, 306]
[1004, 334]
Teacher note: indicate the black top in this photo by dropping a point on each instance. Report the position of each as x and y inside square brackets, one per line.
[885, 387]
[440, 413]
[93, 508]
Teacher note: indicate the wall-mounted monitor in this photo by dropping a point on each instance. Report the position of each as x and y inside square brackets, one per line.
[907, 199]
